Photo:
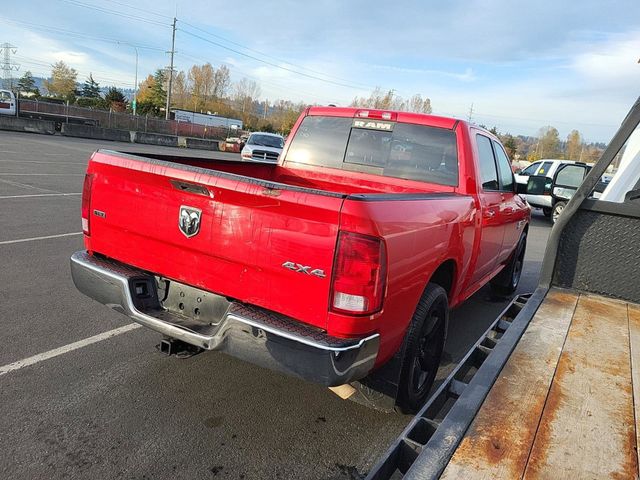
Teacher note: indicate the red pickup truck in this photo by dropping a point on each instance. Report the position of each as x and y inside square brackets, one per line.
[347, 253]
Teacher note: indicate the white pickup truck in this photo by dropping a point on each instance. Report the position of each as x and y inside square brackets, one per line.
[8, 103]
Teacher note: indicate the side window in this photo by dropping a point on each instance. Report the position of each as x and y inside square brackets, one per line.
[504, 168]
[488, 173]
[544, 169]
[531, 169]
[5, 97]
[571, 176]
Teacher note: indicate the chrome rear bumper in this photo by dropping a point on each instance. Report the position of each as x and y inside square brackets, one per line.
[253, 334]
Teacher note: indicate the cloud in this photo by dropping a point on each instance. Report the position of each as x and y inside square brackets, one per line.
[79, 59]
[467, 76]
[611, 65]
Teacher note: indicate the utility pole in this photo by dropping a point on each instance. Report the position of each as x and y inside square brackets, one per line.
[173, 51]
[7, 65]
[470, 113]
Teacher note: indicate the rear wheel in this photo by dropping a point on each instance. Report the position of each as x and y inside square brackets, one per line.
[423, 349]
[558, 208]
[547, 212]
[506, 282]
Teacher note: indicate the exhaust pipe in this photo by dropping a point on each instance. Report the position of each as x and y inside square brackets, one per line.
[172, 346]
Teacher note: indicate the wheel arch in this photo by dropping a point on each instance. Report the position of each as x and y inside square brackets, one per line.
[445, 276]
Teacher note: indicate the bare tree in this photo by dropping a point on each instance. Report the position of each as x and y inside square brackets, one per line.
[180, 90]
[388, 100]
[221, 82]
[574, 145]
[245, 92]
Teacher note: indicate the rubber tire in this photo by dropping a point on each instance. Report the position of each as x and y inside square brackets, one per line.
[504, 283]
[547, 212]
[434, 296]
[554, 213]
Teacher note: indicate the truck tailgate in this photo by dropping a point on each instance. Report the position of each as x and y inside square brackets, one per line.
[249, 229]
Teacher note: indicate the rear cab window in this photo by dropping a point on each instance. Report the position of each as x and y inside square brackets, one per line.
[392, 149]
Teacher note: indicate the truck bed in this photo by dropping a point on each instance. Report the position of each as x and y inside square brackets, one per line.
[563, 406]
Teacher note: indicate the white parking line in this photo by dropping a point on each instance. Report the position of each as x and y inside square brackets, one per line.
[67, 348]
[43, 174]
[23, 185]
[41, 195]
[7, 242]
[82, 164]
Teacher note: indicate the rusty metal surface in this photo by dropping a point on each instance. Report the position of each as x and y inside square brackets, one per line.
[563, 404]
[587, 429]
[498, 443]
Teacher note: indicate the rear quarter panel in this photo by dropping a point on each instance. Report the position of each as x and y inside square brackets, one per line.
[420, 233]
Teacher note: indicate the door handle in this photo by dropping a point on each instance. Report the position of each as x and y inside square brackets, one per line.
[489, 213]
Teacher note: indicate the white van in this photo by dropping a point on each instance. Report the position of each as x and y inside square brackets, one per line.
[8, 103]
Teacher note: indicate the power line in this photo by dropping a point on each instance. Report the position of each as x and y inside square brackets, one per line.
[100, 75]
[149, 12]
[269, 63]
[270, 56]
[114, 12]
[58, 30]
[529, 119]
[277, 86]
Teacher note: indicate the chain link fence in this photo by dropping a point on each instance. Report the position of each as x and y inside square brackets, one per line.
[125, 121]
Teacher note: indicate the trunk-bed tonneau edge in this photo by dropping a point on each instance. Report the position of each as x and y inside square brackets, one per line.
[146, 158]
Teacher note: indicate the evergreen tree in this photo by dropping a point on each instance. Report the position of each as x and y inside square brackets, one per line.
[91, 88]
[27, 84]
[158, 91]
[115, 99]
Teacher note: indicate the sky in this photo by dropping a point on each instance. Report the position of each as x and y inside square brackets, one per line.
[514, 65]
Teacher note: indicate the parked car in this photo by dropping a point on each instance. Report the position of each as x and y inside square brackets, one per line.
[231, 145]
[547, 168]
[263, 147]
[560, 188]
[342, 258]
[8, 103]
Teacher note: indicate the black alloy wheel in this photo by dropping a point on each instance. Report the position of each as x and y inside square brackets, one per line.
[423, 351]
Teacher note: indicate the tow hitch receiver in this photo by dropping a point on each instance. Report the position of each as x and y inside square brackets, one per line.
[172, 346]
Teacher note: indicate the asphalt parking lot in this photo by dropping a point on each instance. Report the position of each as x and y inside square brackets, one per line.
[117, 408]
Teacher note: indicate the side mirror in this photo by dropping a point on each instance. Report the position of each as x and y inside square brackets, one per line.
[539, 185]
[521, 188]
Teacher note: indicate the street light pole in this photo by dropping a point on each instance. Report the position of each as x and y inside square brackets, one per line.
[135, 88]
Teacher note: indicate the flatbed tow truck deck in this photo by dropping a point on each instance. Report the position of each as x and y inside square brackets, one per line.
[563, 405]
[552, 389]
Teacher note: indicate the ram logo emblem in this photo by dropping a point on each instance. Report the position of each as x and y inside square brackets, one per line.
[189, 220]
[296, 267]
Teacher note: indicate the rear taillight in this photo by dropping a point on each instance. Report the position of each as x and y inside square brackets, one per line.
[86, 202]
[359, 274]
